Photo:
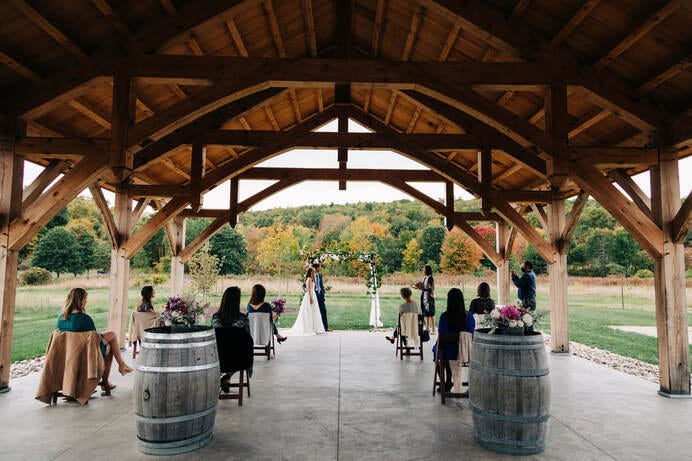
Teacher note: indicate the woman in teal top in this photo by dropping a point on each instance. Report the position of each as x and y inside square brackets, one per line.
[74, 318]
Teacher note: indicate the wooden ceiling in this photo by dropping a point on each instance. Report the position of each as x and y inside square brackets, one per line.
[59, 59]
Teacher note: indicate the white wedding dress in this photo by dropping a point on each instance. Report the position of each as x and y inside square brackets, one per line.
[309, 321]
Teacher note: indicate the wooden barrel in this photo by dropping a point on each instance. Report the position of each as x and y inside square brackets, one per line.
[509, 392]
[176, 390]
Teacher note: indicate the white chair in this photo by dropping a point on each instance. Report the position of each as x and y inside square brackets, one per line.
[140, 321]
[262, 332]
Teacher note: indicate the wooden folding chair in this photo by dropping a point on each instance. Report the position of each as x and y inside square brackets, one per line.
[235, 356]
[140, 321]
[406, 349]
[440, 370]
[262, 334]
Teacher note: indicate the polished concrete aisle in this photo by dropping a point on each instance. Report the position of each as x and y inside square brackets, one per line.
[344, 396]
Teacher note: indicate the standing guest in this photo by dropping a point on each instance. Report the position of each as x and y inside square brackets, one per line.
[526, 286]
[258, 304]
[74, 318]
[409, 305]
[145, 303]
[427, 297]
[454, 320]
[228, 316]
[482, 304]
[320, 291]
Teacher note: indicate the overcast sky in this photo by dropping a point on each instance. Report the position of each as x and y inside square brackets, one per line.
[316, 193]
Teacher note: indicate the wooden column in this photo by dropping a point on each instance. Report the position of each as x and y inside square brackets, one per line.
[11, 175]
[342, 98]
[502, 235]
[121, 163]
[485, 177]
[449, 203]
[176, 236]
[557, 123]
[669, 284]
[557, 270]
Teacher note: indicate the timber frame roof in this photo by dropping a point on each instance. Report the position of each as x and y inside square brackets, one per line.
[547, 87]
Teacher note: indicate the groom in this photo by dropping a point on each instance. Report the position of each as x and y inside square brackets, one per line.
[319, 290]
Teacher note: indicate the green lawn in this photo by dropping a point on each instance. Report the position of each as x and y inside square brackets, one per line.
[590, 314]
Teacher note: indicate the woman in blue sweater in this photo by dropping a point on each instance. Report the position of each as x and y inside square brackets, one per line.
[454, 320]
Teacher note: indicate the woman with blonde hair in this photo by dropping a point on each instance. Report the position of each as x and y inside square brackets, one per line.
[74, 318]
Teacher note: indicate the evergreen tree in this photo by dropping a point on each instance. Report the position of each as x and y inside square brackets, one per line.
[431, 242]
[59, 252]
[228, 245]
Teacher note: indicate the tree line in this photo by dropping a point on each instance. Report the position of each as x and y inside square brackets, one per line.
[405, 234]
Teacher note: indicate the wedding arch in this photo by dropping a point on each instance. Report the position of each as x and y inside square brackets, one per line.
[373, 275]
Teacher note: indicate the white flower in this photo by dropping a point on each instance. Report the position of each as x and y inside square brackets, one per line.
[527, 319]
[495, 313]
[520, 324]
[513, 324]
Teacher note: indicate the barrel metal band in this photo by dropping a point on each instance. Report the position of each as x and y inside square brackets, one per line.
[206, 366]
[503, 372]
[526, 347]
[176, 447]
[179, 336]
[148, 345]
[509, 418]
[511, 447]
[176, 419]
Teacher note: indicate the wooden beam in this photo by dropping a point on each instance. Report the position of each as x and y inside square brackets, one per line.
[80, 75]
[203, 237]
[72, 146]
[112, 17]
[138, 212]
[377, 29]
[414, 119]
[310, 36]
[416, 20]
[543, 248]
[197, 162]
[683, 220]
[390, 108]
[320, 100]
[209, 121]
[485, 177]
[234, 186]
[91, 113]
[519, 196]
[33, 191]
[161, 190]
[237, 38]
[106, 214]
[34, 217]
[142, 236]
[336, 174]
[582, 12]
[556, 122]
[449, 43]
[121, 158]
[668, 72]
[169, 7]
[483, 244]
[294, 103]
[540, 214]
[39, 20]
[637, 223]
[271, 117]
[632, 189]
[449, 202]
[274, 26]
[574, 214]
[19, 68]
[416, 194]
[653, 20]
[620, 156]
[588, 123]
[476, 216]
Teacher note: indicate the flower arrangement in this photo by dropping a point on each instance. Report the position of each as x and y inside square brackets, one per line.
[278, 305]
[181, 311]
[510, 317]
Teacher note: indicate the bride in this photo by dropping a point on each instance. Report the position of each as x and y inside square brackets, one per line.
[309, 321]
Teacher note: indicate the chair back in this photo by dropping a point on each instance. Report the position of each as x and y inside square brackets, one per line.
[261, 327]
[235, 349]
[140, 321]
[74, 365]
[409, 327]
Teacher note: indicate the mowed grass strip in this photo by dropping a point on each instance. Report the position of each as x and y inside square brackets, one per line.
[590, 316]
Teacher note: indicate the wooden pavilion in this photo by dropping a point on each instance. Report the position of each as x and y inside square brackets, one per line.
[523, 103]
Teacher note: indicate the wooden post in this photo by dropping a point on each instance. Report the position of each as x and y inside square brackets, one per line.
[342, 98]
[557, 270]
[120, 265]
[485, 177]
[11, 175]
[503, 277]
[556, 119]
[669, 284]
[197, 167]
[177, 241]
[449, 203]
[233, 202]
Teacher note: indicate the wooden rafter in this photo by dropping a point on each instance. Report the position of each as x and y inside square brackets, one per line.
[106, 214]
[582, 12]
[631, 38]
[310, 36]
[665, 74]
[40, 21]
[320, 100]
[274, 26]
[377, 29]
[91, 113]
[449, 43]
[390, 108]
[539, 213]
[70, 146]
[19, 68]
[137, 212]
[169, 7]
[208, 232]
[294, 104]
[418, 195]
[414, 119]
[588, 123]
[112, 17]
[416, 20]
[336, 174]
[236, 37]
[271, 117]
[526, 230]
[632, 189]
[483, 244]
[573, 219]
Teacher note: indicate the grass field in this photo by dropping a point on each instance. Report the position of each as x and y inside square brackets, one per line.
[593, 307]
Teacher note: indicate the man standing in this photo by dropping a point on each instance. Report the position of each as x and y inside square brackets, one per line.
[319, 290]
[526, 286]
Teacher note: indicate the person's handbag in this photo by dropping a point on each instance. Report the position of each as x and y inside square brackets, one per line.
[425, 336]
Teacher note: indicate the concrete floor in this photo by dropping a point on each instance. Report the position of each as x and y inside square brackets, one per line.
[344, 396]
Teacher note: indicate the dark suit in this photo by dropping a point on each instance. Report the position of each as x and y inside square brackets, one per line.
[319, 290]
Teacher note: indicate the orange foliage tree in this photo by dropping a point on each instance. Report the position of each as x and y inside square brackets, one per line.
[460, 254]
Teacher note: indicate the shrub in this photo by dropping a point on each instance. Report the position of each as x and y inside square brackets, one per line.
[35, 276]
[154, 279]
[643, 274]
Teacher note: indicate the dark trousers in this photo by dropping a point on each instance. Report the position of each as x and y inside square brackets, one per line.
[323, 311]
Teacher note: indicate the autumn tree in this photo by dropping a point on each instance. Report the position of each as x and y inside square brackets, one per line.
[279, 252]
[412, 253]
[460, 255]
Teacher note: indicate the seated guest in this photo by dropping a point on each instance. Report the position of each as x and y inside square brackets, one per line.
[482, 304]
[454, 320]
[145, 303]
[409, 305]
[228, 316]
[257, 304]
[74, 318]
